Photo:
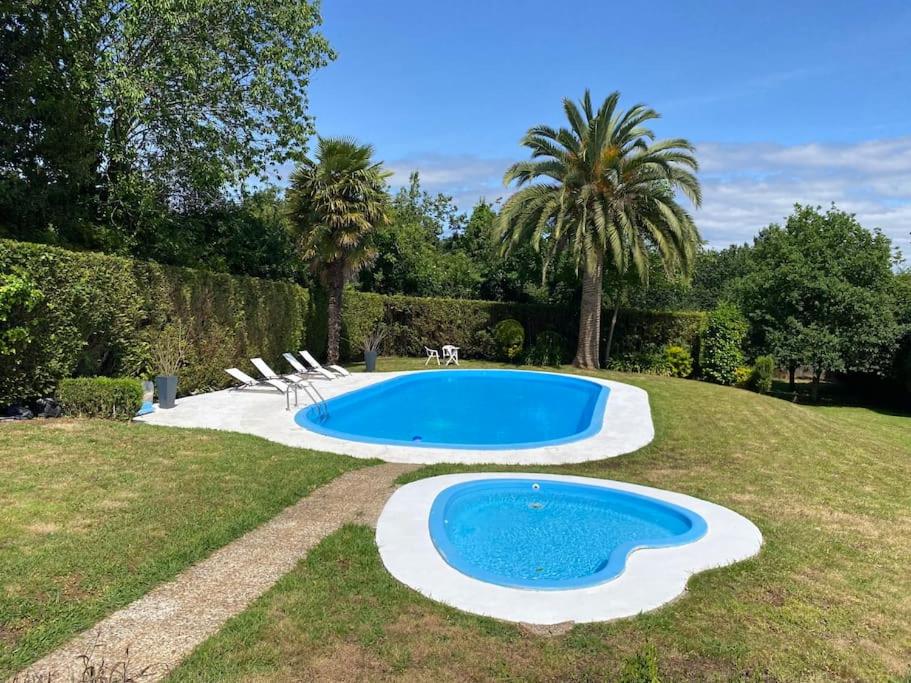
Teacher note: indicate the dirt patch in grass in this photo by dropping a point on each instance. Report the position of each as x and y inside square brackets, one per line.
[341, 662]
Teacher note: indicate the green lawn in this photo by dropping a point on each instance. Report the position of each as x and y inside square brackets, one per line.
[95, 513]
[828, 598]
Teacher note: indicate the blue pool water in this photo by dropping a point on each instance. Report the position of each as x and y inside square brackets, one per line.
[551, 535]
[481, 409]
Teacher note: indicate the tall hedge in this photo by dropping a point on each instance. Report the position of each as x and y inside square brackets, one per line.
[639, 330]
[100, 315]
[413, 322]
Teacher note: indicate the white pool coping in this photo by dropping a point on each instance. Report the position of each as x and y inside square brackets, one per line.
[653, 576]
[627, 425]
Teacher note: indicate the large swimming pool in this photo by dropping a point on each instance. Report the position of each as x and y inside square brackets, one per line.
[471, 409]
[551, 535]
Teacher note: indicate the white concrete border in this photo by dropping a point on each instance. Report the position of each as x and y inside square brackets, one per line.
[627, 425]
[653, 576]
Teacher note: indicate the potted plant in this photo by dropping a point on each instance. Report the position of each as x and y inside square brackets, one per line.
[372, 347]
[168, 353]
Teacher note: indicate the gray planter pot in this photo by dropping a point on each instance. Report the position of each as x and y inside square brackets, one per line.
[370, 360]
[167, 390]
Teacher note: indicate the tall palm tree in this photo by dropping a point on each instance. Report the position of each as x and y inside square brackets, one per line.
[606, 189]
[336, 202]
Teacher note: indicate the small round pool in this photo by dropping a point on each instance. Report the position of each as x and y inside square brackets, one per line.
[551, 535]
[470, 409]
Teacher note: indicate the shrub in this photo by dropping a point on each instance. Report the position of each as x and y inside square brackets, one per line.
[720, 345]
[761, 375]
[639, 330]
[742, 376]
[103, 315]
[18, 298]
[651, 360]
[679, 361]
[106, 397]
[509, 337]
[549, 349]
[416, 321]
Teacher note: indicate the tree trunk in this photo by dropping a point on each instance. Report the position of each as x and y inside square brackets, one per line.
[814, 387]
[792, 383]
[590, 316]
[336, 287]
[613, 324]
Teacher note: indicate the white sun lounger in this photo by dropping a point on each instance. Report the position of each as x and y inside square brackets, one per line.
[341, 372]
[269, 373]
[246, 381]
[299, 367]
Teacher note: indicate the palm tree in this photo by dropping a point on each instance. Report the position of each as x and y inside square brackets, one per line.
[336, 203]
[606, 189]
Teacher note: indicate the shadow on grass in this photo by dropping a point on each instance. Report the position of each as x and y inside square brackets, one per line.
[844, 395]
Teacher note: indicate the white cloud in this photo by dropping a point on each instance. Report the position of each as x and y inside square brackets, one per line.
[748, 186]
[466, 178]
[745, 186]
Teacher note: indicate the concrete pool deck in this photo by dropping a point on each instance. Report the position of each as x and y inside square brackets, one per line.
[652, 576]
[627, 425]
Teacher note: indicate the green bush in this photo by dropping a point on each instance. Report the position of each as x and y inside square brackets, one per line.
[414, 322]
[509, 337]
[742, 376]
[720, 345]
[549, 349]
[650, 360]
[762, 373]
[101, 315]
[110, 398]
[639, 331]
[679, 361]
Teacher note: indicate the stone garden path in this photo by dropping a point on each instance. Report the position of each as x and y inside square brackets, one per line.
[166, 624]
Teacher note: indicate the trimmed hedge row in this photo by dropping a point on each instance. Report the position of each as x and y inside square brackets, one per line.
[640, 331]
[412, 322]
[101, 315]
[112, 398]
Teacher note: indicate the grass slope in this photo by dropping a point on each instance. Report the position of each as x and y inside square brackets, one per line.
[828, 598]
[95, 513]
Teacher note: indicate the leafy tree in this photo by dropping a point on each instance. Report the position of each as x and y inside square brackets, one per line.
[336, 202]
[605, 190]
[49, 138]
[902, 294]
[174, 99]
[436, 214]
[511, 277]
[413, 254]
[821, 292]
[715, 276]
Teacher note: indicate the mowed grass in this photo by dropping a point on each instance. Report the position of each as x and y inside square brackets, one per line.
[828, 598]
[96, 513]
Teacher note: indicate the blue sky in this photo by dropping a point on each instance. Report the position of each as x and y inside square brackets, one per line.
[786, 101]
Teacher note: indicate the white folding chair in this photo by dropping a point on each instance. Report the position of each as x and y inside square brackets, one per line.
[431, 354]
